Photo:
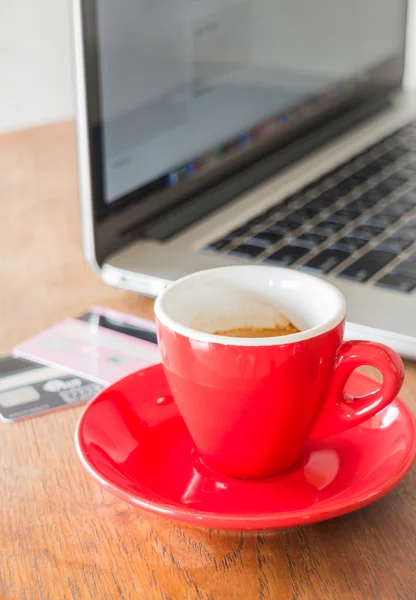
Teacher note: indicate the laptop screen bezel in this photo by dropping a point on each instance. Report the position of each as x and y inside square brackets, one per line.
[110, 222]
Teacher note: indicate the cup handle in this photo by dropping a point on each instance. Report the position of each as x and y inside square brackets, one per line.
[341, 411]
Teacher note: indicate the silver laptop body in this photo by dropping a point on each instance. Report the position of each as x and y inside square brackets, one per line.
[197, 148]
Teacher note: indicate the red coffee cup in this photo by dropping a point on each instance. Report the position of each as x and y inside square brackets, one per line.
[250, 403]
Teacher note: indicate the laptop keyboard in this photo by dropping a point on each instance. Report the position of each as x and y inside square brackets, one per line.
[357, 222]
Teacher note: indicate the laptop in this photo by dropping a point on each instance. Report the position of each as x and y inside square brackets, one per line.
[235, 132]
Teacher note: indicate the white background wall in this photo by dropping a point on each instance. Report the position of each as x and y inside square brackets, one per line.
[35, 63]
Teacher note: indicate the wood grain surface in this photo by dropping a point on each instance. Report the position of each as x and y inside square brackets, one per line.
[61, 536]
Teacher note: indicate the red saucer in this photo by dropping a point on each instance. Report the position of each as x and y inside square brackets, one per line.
[132, 440]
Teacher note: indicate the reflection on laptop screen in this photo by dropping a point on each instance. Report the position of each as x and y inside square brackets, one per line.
[186, 83]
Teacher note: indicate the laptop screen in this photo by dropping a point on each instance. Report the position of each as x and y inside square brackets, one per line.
[187, 86]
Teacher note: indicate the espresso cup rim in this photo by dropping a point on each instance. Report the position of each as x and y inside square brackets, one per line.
[211, 338]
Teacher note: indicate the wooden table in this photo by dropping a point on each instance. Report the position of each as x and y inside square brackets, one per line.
[61, 536]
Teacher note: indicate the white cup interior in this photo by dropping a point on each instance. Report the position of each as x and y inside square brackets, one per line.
[250, 296]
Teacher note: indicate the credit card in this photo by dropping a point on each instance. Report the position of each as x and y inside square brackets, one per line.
[28, 389]
[103, 345]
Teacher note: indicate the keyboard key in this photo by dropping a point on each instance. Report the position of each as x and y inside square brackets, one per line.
[407, 145]
[378, 192]
[321, 203]
[287, 255]
[397, 282]
[265, 238]
[407, 231]
[335, 192]
[367, 231]
[350, 244]
[348, 184]
[360, 176]
[394, 244]
[247, 251]
[218, 245]
[382, 219]
[295, 218]
[384, 161]
[327, 260]
[370, 198]
[309, 240]
[366, 266]
[405, 174]
[305, 213]
[395, 153]
[358, 205]
[327, 227]
[283, 227]
[411, 165]
[408, 199]
[366, 172]
[397, 208]
[256, 221]
[345, 216]
[377, 165]
[391, 211]
[390, 184]
[239, 232]
[407, 267]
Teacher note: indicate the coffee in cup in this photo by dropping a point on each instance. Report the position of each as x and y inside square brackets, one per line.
[259, 332]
